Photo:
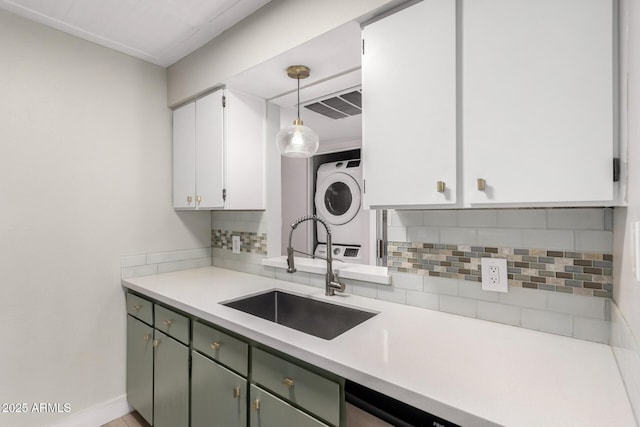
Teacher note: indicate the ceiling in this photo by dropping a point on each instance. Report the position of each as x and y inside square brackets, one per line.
[156, 31]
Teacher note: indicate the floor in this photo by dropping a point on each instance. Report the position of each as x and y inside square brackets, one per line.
[130, 420]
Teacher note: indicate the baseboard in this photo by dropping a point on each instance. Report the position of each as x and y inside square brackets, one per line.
[97, 415]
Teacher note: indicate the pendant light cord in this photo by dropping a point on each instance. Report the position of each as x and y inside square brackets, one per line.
[298, 97]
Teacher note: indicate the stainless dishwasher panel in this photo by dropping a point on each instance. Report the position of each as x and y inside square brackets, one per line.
[356, 417]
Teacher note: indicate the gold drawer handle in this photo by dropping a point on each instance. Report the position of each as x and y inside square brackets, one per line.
[215, 345]
[256, 405]
[236, 392]
[147, 337]
[137, 307]
[156, 343]
[168, 322]
[482, 184]
[288, 382]
[441, 186]
[189, 199]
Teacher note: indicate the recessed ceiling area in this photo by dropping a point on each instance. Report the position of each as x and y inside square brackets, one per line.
[156, 31]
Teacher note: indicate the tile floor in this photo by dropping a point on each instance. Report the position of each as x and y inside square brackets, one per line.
[130, 420]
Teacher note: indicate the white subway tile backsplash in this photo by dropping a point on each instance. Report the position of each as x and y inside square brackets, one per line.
[500, 237]
[159, 257]
[438, 285]
[523, 297]
[145, 270]
[406, 218]
[608, 219]
[501, 313]
[387, 293]
[578, 305]
[459, 236]
[444, 218]
[423, 234]
[477, 218]
[556, 323]
[187, 264]
[133, 260]
[369, 291]
[423, 299]
[594, 241]
[397, 234]
[474, 290]
[548, 239]
[576, 219]
[591, 329]
[455, 305]
[407, 281]
[522, 218]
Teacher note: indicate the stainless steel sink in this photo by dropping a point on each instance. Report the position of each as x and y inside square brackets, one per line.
[318, 318]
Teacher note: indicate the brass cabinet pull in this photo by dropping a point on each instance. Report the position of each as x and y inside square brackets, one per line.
[147, 337]
[236, 392]
[440, 186]
[198, 199]
[215, 345]
[256, 405]
[189, 199]
[288, 382]
[137, 307]
[482, 184]
[156, 343]
[168, 322]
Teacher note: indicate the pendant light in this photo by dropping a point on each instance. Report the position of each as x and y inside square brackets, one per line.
[297, 140]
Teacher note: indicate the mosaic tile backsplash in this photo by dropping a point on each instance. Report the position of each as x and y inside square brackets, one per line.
[250, 242]
[580, 273]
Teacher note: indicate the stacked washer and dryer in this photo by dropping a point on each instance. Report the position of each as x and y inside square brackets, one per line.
[338, 200]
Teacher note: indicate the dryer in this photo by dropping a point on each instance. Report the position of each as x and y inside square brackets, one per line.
[338, 200]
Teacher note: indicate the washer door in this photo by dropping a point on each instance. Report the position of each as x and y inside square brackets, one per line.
[338, 198]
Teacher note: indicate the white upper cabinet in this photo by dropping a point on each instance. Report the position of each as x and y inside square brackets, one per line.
[218, 152]
[538, 101]
[409, 106]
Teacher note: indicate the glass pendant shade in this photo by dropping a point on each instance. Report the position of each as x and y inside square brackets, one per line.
[297, 140]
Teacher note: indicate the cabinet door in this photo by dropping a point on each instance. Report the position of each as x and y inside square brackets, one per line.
[269, 411]
[140, 367]
[538, 115]
[244, 147]
[184, 157]
[409, 106]
[209, 154]
[218, 396]
[171, 382]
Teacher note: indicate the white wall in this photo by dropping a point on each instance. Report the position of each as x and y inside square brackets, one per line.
[277, 27]
[85, 177]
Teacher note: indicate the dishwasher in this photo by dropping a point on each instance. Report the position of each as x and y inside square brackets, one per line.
[368, 408]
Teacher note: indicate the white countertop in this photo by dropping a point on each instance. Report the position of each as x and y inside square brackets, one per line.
[469, 371]
[369, 273]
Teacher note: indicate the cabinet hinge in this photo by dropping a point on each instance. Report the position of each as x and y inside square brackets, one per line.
[616, 169]
[224, 194]
[224, 101]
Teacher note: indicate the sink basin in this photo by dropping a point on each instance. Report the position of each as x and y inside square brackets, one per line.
[314, 317]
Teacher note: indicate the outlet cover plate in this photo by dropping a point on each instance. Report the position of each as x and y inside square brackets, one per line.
[235, 244]
[494, 274]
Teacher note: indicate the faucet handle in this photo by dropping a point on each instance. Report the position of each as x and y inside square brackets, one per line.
[336, 284]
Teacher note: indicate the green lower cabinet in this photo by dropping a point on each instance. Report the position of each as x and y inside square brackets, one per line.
[218, 396]
[171, 382]
[140, 367]
[269, 411]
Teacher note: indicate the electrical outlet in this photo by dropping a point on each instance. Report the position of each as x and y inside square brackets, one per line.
[494, 274]
[235, 244]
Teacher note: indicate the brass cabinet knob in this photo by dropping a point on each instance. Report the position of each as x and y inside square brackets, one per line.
[288, 382]
[156, 343]
[256, 405]
[137, 307]
[168, 322]
[147, 337]
[189, 200]
[440, 186]
[236, 392]
[215, 345]
[482, 184]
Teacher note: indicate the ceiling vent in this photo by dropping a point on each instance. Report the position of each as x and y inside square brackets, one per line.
[346, 104]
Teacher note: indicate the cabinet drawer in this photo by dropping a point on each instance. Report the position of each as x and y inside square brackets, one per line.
[269, 411]
[224, 348]
[307, 389]
[173, 324]
[140, 308]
